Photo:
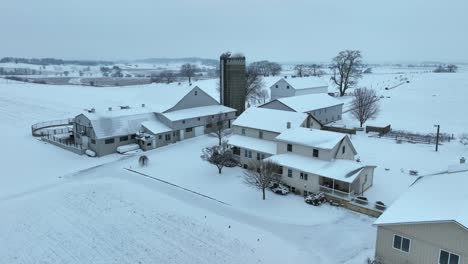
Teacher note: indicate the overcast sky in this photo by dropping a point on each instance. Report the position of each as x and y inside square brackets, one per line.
[280, 30]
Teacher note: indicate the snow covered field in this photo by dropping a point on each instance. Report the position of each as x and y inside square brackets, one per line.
[59, 207]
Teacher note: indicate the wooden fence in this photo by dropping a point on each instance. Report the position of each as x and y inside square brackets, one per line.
[340, 130]
[381, 130]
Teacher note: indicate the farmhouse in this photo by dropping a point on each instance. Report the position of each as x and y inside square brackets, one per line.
[428, 223]
[323, 107]
[254, 131]
[183, 116]
[315, 160]
[297, 86]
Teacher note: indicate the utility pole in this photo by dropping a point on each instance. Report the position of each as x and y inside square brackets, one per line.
[437, 137]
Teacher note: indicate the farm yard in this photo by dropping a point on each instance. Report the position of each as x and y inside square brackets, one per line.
[151, 220]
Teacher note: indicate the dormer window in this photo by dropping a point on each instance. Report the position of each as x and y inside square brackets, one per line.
[289, 148]
[315, 153]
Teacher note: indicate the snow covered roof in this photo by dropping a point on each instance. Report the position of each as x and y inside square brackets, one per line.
[341, 170]
[197, 112]
[156, 126]
[269, 119]
[299, 83]
[105, 127]
[436, 198]
[309, 102]
[311, 137]
[261, 145]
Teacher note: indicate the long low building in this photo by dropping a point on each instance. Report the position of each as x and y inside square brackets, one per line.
[187, 113]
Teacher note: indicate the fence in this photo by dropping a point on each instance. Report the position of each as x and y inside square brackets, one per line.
[380, 130]
[40, 129]
[334, 192]
[340, 130]
[417, 138]
[65, 143]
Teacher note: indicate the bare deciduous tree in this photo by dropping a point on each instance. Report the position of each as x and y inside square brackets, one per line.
[260, 174]
[365, 105]
[316, 70]
[188, 70]
[346, 69]
[254, 83]
[220, 156]
[301, 70]
[217, 126]
[452, 68]
[143, 160]
[263, 96]
[167, 76]
[266, 68]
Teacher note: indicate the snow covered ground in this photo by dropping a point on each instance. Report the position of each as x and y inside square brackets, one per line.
[60, 207]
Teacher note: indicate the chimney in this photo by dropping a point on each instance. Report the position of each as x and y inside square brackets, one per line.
[92, 110]
[288, 125]
[110, 108]
[462, 160]
[142, 105]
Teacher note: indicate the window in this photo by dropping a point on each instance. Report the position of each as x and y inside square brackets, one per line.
[289, 173]
[109, 141]
[243, 131]
[173, 134]
[225, 114]
[149, 144]
[343, 150]
[258, 156]
[248, 153]
[280, 170]
[401, 243]
[289, 148]
[93, 141]
[276, 86]
[196, 92]
[315, 153]
[183, 121]
[133, 136]
[260, 134]
[287, 87]
[446, 257]
[160, 137]
[304, 176]
[168, 137]
[188, 129]
[198, 119]
[245, 166]
[124, 138]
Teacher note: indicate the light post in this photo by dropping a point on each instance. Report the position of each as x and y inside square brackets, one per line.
[437, 137]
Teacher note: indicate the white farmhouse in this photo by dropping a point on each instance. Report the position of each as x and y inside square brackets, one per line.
[287, 87]
[315, 160]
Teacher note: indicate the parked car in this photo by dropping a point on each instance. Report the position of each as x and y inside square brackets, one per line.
[315, 199]
[279, 189]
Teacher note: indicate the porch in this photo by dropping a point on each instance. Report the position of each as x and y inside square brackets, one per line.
[336, 188]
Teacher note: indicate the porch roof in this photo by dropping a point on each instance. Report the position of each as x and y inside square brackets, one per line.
[260, 145]
[341, 170]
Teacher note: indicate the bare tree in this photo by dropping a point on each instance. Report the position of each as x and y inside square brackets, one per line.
[266, 68]
[254, 83]
[346, 69]
[263, 96]
[220, 156]
[217, 126]
[316, 70]
[143, 160]
[365, 105]
[167, 76]
[188, 70]
[301, 70]
[452, 68]
[260, 174]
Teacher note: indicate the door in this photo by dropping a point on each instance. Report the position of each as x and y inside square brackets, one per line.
[199, 131]
[182, 134]
[85, 142]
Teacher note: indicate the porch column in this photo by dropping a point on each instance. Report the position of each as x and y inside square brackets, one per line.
[333, 186]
